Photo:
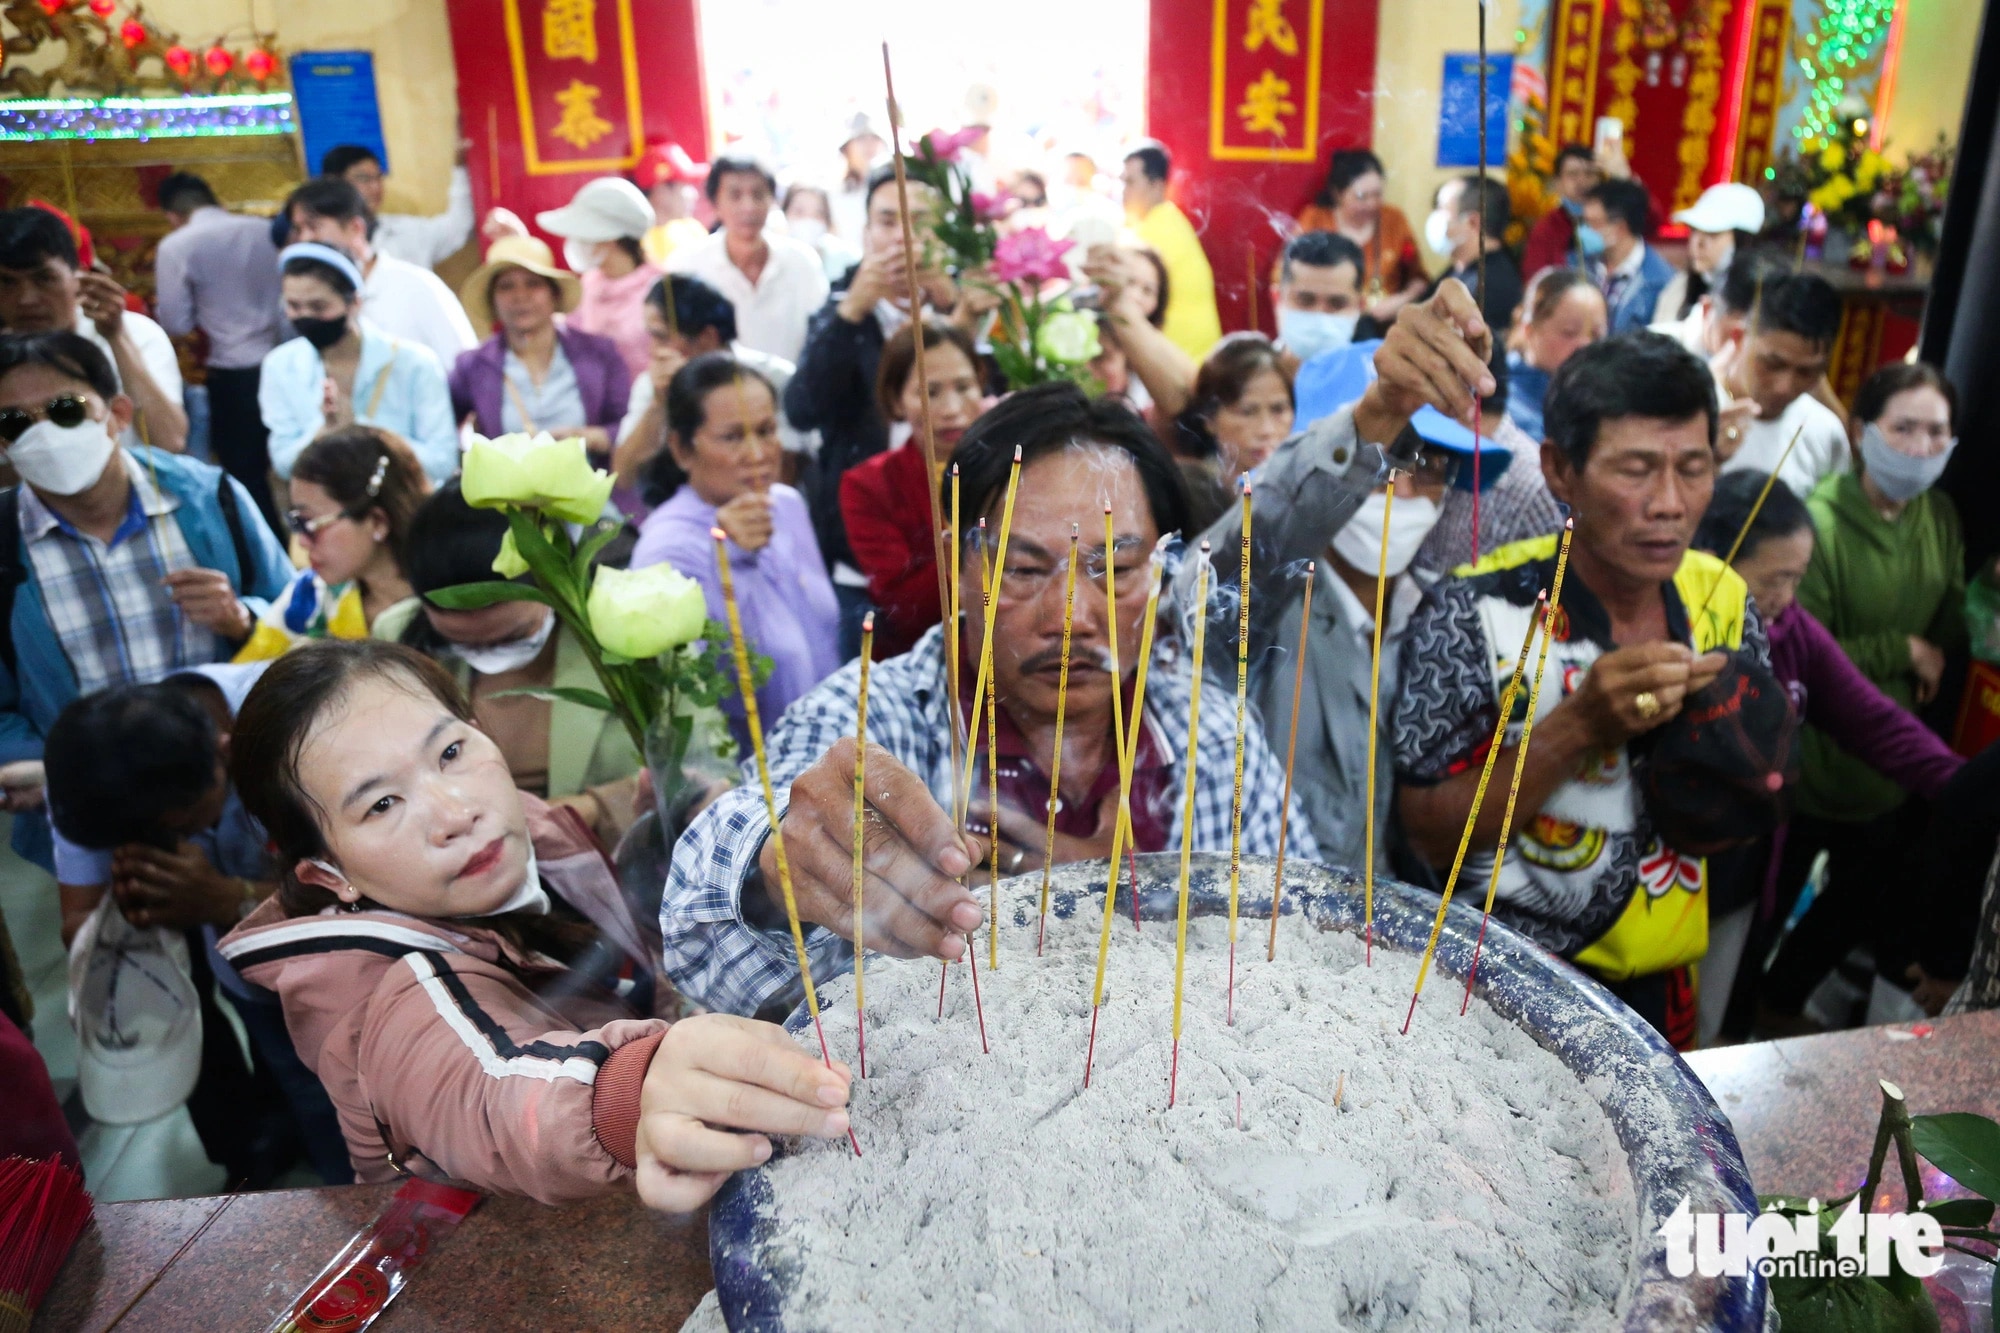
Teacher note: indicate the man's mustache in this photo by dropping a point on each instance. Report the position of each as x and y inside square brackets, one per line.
[1050, 659]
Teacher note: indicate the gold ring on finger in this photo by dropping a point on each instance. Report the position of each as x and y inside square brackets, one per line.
[1648, 705]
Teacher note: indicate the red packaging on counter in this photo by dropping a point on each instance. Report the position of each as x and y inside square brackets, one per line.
[370, 1269]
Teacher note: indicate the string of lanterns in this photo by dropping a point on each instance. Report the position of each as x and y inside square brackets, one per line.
[214, 67]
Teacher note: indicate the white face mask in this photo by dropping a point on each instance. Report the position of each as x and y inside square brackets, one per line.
[581, 256]
[62, 460]
[493, 659]
[809, 230]
[1359, 542]
[1437, 233]
[1307, 333]
[1896, 474]
[531, 897]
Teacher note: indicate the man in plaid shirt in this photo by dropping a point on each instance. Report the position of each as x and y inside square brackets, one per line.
[722, 915]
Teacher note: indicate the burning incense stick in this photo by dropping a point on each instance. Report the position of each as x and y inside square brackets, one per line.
[860, 827]
[1291, 754]
[1055, 765]
[1520, 766]
[1374, 730]
[1748, 519]
[1242, 701]
[746, 684]
[1493, 748]
[989, 594]
[1187, 820]
[1121, 829]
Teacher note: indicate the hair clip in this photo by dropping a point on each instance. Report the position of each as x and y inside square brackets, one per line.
[381, 471]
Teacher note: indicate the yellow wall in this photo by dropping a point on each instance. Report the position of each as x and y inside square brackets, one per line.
[416, 82]
[1412, 37]
[1939, 37]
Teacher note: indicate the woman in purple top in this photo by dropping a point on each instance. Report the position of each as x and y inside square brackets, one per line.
[720, 470]
[1830, 693]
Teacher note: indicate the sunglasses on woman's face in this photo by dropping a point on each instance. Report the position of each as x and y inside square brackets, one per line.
[308, 527]
[65, 410]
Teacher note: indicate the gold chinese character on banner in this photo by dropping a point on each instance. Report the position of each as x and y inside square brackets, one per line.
[1266, 103]
[580, 123]
[1266, 21]
[569, 30]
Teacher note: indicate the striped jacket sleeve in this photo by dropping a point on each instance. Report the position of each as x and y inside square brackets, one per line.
[457, 1065]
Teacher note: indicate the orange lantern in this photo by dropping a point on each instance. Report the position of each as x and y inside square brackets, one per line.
[103, 8]
[179, 59]
[132, 33]
[219, 60]
[260, 64]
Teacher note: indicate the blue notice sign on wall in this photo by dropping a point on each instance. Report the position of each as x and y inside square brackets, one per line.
[1458, 117]
[334, 92]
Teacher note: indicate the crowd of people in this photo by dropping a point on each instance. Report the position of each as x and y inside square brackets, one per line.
[266, 763]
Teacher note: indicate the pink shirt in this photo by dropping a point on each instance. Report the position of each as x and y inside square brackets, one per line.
[615, 308]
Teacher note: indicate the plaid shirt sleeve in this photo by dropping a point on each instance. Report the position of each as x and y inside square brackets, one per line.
[716, 957]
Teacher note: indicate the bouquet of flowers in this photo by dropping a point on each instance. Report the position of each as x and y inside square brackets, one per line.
[1916, 205]
[1043, 340]
[662, 665]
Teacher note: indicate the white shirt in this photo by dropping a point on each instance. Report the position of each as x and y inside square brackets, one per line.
[772, 315]
[775, 369]
[1690, 332]
[409, 302]
[1820, 452]
[155, 349]
[427, 241]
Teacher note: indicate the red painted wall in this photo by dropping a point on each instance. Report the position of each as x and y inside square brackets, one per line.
[1250, 151]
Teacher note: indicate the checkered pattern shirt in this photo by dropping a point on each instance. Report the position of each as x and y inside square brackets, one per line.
[719, 960]
[107, 601]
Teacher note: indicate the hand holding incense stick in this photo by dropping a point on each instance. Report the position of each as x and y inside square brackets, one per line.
[1055, 764]
[1291, 754]
[1187, 821]
[1374, 731]
[746, 684]
[1520, 764]
[1242, 699]
[1478, 799]
[860, 829]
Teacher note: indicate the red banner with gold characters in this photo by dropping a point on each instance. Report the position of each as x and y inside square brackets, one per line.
[1763, 87]
[1572, 74]
[575, 69]
[1265, 83]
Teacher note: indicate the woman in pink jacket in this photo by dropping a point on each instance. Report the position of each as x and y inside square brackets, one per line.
[458, 966]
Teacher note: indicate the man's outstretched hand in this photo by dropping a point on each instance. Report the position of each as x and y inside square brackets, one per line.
[912, 855]
[1435, 355]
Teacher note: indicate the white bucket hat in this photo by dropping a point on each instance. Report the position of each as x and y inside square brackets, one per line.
[1725, 207]
[609, 208]
[137, 1017]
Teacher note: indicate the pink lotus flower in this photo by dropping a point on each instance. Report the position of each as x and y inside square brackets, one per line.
[1030, 255]
[945, 147]
[991, 207]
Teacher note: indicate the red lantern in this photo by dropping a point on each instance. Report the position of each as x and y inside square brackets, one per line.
[179, 59]
[54, 7]
[218, 61]
[260, 64]
[132, 33]
[103, 8]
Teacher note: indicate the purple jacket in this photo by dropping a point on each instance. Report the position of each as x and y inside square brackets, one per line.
[1834, 696]
[601, 380]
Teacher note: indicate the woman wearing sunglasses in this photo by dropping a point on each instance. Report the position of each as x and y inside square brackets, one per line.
[354, 493]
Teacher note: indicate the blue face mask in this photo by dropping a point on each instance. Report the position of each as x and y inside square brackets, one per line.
[1307, 333]
[1589, 240]
[1574, 210]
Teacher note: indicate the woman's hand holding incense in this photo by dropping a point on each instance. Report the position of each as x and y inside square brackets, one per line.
[715, 1073]
[915, 907]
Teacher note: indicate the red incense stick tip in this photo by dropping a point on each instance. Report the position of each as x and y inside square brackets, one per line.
[868, 623]
[1173, 1075]
[1410, 1015]
[1090, 1051]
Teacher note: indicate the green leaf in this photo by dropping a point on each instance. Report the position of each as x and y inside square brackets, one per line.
[1964, 1146]
[592, 544]
[475, 596]
[563, 694]
[1961, 1212]
[549, 565]
[1851, 1305]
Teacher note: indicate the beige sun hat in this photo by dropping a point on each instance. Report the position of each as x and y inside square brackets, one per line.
[528, 252]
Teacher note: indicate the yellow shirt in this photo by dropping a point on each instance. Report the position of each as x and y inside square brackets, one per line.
[1192, 322]
[659, 241]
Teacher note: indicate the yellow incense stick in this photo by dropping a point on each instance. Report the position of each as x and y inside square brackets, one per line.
[1748, 519]
[1291, 754]
[1055, 764]
[951, 631]
[1121, 830]
[1374, 729]
[860, 828]
[992, 604]
[1520, 766]
[1187, 818]
[1535, 623]
[1242, 703]
[746, 685]
[989, 595]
